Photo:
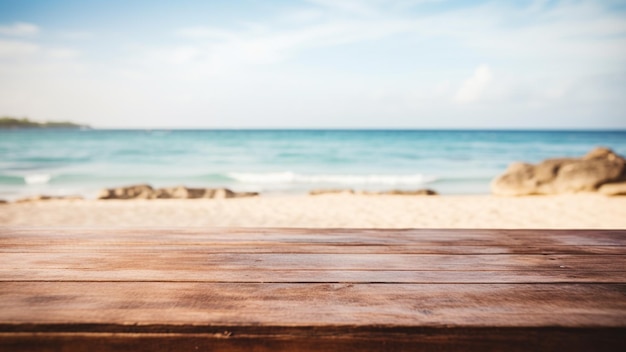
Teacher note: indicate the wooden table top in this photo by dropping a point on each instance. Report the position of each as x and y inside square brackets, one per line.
[311, 289]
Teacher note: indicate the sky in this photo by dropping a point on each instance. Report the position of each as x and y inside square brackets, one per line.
[316, 63]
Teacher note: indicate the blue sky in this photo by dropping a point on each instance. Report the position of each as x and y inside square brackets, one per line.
[318, 63]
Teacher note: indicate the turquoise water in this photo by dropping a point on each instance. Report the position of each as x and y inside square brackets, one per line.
[65, 162]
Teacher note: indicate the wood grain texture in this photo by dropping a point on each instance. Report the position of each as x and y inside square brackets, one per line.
[313, 276]
[242, 339]
[315, 304]
[311, 289]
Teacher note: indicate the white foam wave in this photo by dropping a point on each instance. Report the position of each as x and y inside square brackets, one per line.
[37, 179]
[343, 179]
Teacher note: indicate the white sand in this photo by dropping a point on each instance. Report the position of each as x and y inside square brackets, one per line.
[348, 211]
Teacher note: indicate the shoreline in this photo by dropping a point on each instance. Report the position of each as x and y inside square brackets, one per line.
[577, 211]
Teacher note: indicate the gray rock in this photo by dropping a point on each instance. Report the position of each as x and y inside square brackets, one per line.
[130, 192]
[317, 192]
[518, 179]
[587, 175]
[223, 193]
[566, 175]
[246, 194]
[179, 192]
[399, 192]
[613, 189]
[44, 197]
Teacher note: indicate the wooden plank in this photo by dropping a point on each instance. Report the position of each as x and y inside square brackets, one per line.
[302, 248]
[200, 261]
[390, 241]
[299, 289]
[313, 276]
[508, 238]
[315, 339]
[226, 304]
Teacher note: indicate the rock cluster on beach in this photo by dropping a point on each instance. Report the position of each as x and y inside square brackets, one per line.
[180, 192]
[601, 170]
[44, 197]
[145, 191]
[395, 192]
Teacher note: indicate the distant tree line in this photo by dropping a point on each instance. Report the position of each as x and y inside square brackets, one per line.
[12, 122]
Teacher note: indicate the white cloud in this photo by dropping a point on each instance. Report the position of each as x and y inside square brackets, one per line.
[19, 29]
[63, 53]
[204, 32]
[302, 16]
[178, 55]
[76, 35]
[473, 88]
[16, 49]
[537, 5]
[371, 62]
[347, 6]
[231, 50]
[555, 35]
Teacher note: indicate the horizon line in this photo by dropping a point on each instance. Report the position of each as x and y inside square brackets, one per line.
[257, 128]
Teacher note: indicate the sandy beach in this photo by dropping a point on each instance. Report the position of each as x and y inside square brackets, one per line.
[581, 211]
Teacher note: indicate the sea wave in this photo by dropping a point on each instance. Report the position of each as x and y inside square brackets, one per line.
[30, 179]
[343, 179]
[11, 180]
[37, 179]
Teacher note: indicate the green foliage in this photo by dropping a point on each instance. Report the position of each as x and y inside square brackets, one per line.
[12, 122]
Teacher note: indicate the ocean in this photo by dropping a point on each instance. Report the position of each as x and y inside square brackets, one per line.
[81, 162]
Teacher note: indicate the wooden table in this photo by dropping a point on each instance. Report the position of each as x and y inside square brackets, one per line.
[311, 290]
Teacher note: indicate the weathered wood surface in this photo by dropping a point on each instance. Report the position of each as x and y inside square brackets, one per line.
[311, 289]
